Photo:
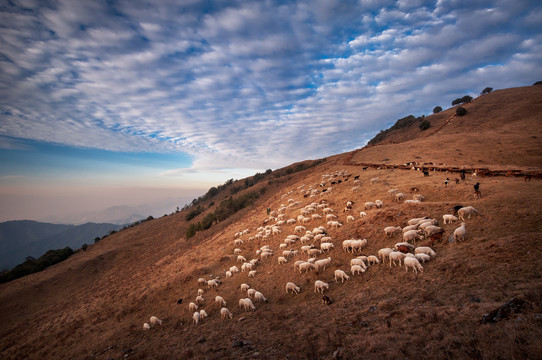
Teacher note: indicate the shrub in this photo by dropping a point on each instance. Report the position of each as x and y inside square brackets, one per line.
[424, 125]
[456, 102]
[466, 99]
[193, 213]
[461, 111]
[437, 109]
[538, 83]
[487, 90]
[84, 247]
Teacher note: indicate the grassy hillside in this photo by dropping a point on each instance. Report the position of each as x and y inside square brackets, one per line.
[94, 304]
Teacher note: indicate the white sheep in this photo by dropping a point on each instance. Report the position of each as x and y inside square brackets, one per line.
[299, 229]
[259, 297]
[379, 204]
[459, 233]
[322, 263]
[282, 260]
[326, 246]
[362, 214]
[399, 196]
[203, 313]
[418, 197]
[320, 286]
[467, 210]
[229, 274]
[412, 235]
[237, 251]
[425, 250]
[192, 306]
[358, 262]
[371, 259]
[449, 218]
[369, 205]
[234, 269]
[202, 281]
[422, 257]
[154, 320]
[390, 230]
[213, 283]
[251, 273]
[201, 292]
[146, 326]
[316, 216]
[356, 269]
[241, 258]
[200, 300]
[291, 286]
[340, 274]
[225, 313]
[247, 304]
[220, 300]
[314, 252]
[306, 266]
[251, 292]
[384, 253]
[396, 256]
[244, 287]
[350, 218]
[196, 317]
[412, 262]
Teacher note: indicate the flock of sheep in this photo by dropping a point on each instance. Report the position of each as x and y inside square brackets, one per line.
[317, 244]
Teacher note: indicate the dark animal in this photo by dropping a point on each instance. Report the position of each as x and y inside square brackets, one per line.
[456, 208]
[356, 177]
[180, 301]
[365, 168]
[326, 300]
[324, 190]
[333, 182]
[425, 173]
[414, 189]
[462, 175]
[456, 180]
[306, 195]
[339, 181]
[476, 187]
[436, 237]
[403, 249]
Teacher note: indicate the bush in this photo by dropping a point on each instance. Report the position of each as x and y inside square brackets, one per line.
[461, 111]
[437, 109]
[456, 102]
[466, 99]
[424, 125]
[84, 247]
[487, 90]
[537, 83]
[31, 265]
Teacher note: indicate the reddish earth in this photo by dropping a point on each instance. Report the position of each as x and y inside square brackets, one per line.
[93, 305]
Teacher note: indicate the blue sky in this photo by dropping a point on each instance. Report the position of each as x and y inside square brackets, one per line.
[178, 96]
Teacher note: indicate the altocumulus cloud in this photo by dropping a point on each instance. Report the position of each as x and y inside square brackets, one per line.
[250, 84]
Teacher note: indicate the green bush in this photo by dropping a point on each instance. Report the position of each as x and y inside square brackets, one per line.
[466, 99]
[487, 90]
[424, 125]
[461, 111]
[437, 109]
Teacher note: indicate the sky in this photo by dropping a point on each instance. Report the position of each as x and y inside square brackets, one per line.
[107, 103]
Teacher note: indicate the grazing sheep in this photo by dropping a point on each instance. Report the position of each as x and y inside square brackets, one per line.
[236, 251]
[422, 257]
[384, 253]
[320, 286]
[146, 326]
[410, 227]
[390, 230]
[200, 300]
[196, 318]
[192, 306]
[399, 197]
[202, 281]
[326, 246]
[356, 269]
[244, 287]
[371, 259]
[259, 296]
[228, 274]
[234, 269]
[291, 286]
[425, 250]
[313, 252]
[251, 292]
[432, 230]
[322, 263]
[339, 274]
[350, 218]
[225, 313]
[412, 235]
[220, 301]
[412, 262]
[448, 218]
[299, 229]
[251, 273]
[201, 292]
[359, 262]
[396, 256]
[467, 210]
[282, 260]
[418, 197]
[247, 304]
[459, 233]
[241, 258]
[203, 313]
[307, 266]
[369, 205]
[154, 320]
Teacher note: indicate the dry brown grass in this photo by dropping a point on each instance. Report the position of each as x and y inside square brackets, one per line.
[93, 305]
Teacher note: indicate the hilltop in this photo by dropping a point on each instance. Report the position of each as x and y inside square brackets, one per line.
[93, 305]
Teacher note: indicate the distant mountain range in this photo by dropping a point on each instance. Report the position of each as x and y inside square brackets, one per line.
[22, 238]
[123, 214]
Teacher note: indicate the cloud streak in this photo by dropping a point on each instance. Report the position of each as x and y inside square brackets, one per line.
[250, 84]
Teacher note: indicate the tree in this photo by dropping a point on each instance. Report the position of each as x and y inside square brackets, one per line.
[487, 90]
[466, 99]
[424, 125]
[461, 111]
[538, 83]
[437, 109]
[456, 102]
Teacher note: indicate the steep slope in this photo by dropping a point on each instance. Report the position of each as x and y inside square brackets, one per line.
[501, 130]
[93, 305]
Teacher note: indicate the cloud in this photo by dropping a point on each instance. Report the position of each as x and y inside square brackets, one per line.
[249, 85]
